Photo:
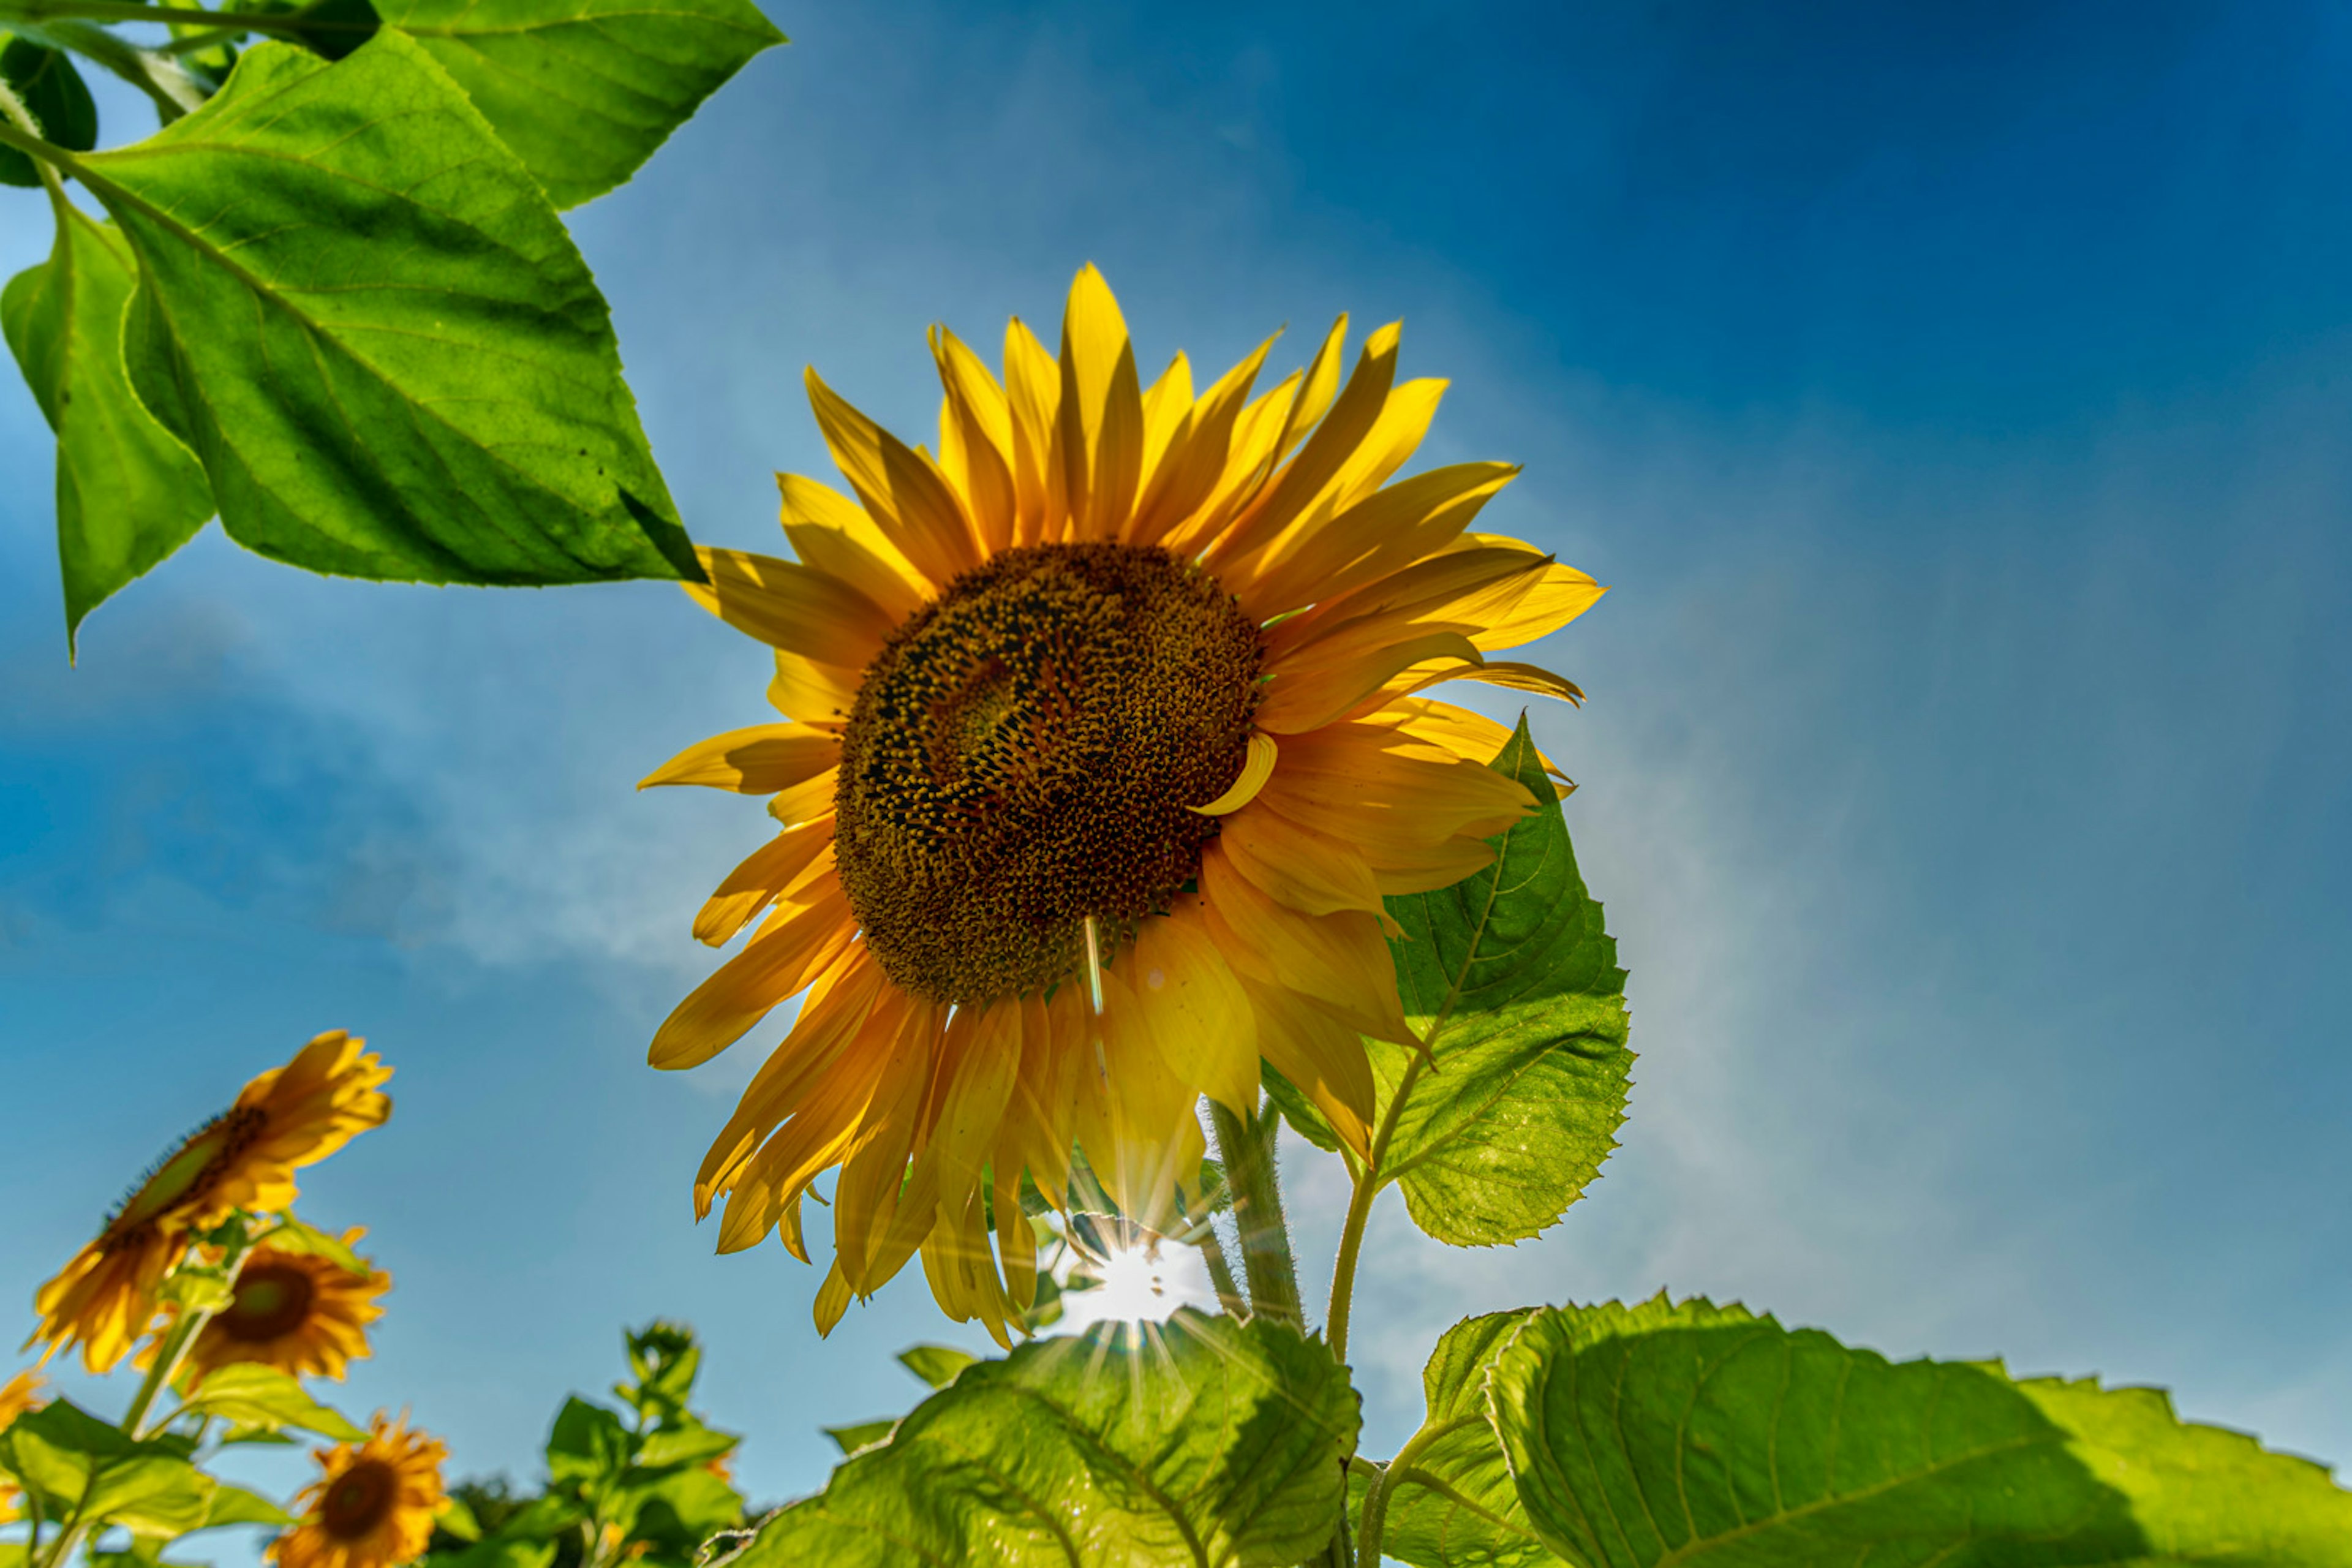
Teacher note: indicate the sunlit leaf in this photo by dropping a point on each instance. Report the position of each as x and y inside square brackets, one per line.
[859, 1435]
[1514, 980]
[1202, 1440]
[1453, 1504]
[360, 312]
[937, 1366]
[252, 1394]
[585, 91]
[1705, 1437]
[235, 1505]
[587, 1445]
[688, 1443]
[292, 1236]
[128, 492]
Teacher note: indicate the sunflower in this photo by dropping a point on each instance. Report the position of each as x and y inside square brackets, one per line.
[1104, 738]
[297, 1312]
[16, 1398]
[373, 1506]
[244, 1158]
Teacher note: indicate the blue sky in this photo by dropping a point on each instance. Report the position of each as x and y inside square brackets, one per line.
[1954, 396]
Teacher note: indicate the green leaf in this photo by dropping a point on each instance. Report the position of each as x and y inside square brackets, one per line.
[128, 492]
[252, 1394]
[235, 1505]
[1452, 1504]
[1202, 1440]
[937, 1366]
[585, 91]
[676, 1513]
[498, 1551]
[149, 1494]
[587, 1445]
[860, 1435]
[689, 1442]
[359, 312]
[458, 1518]
[1705, 1437]
[291, 1235]
[1513, 980]
[45, 81]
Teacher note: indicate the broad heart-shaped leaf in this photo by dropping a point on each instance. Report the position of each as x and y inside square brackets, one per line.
[128, 492]
[251, 1394]
[1198, 1441]
[583, 90]
[1453, 1504]
[1513, 980]
[1705, 1438]
[587, 1447]
[76, 1463]
[358, 309]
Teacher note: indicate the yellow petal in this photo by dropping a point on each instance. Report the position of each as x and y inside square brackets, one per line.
[1100, 417]
[788, 953]
[812, 692]
[1559, 596]
[1382, 533]
[1257, 766]
[832, 534]
[1033, 390]
[1197, 451]
[760, 760]
[792, 606]
[1326, 451]
[1194, 1008]
[1323, 1056]
[982, 423]
[907, 498]
[1303, 696]
[805, 802]
[772, 870]
[1299, 867]
[1341, 961]
[1166, 401]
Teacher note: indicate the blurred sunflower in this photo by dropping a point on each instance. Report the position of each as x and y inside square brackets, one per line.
[294, 1311]
[16, 1396]
[244, 1158]
[373, 1506]
[1104, 740]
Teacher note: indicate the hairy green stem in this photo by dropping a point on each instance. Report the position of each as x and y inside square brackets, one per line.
[1368, 1182]
[1376, 1498]
[1220, 1270]
[1246, 1147]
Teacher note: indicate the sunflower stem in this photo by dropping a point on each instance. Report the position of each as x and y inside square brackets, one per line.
[1246, 1148]
[1221, 1271]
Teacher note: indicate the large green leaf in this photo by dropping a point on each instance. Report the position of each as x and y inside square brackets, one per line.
[583, 90]
[1513, 980]
[1705, 1438]
[1202, 1440]
[1451, 1502]
[361, 313]
[45, 82]
[129, 493]
[76, 1464]
[253, 1395]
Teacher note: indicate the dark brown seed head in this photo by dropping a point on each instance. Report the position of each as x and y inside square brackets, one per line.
[1022, 753]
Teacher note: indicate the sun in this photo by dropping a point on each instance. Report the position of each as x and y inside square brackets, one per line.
[1140, 1284]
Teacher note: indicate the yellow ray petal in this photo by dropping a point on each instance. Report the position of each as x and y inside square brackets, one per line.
[1471, 736]
[1197, 455]
[805, 802]
[832, 534]
[774, 870]
[1341, 961]
[1326, 451]
[1321, 1056]
[1384, 532]
[1299, 867]
[1303, 696]
[1166, 401]
[981, 421]
[785, 955]
[760, 760]
[1193, 1007]
[904, 495]
[1257, 766]
[1099, 430]
[1561, 595]
[838, 1007]
[792, 606]
[1033, 390]
[812, 692]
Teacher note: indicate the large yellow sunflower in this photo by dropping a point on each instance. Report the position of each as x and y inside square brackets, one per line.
[1104, 740]
[244, 1158]
[16, 1396]
[293, 1311]
[374, 1504]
